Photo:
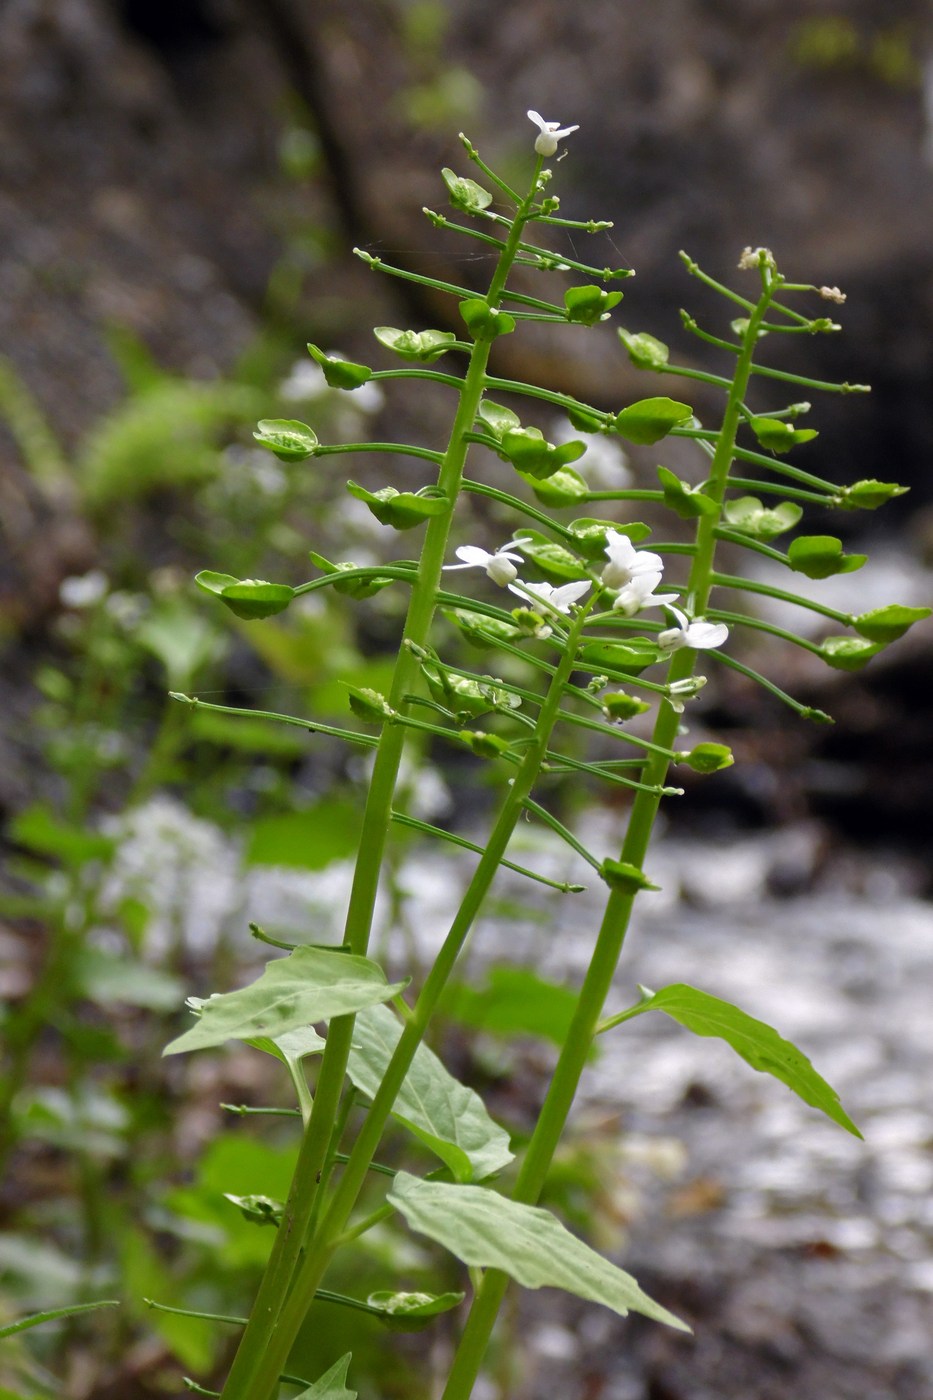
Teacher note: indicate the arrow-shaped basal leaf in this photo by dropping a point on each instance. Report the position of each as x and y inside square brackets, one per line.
[488, 1231]
[310, 985]
[449, 1118]
[757, 1043]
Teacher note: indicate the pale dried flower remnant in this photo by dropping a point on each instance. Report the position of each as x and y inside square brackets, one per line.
[832, 294]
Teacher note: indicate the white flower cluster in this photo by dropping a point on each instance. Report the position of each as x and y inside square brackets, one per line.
[632, 574]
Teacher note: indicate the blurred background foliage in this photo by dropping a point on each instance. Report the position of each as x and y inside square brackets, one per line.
[180, 184]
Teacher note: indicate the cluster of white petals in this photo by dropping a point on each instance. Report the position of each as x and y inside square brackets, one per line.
[551, 134]
[635, 573]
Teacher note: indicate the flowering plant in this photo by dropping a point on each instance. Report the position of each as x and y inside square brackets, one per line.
[589, 619]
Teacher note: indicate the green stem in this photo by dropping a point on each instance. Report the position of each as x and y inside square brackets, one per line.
[312, 1269]
[611, 936]
[252, 1375]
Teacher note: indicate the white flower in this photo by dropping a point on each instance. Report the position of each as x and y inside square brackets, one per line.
[551, 134]
[700, 635]
[679, 691]
[626, 562]
[83, 590]
[544, 598]
[832, 294]
[499, 566]
[755, 257]
[639, 593]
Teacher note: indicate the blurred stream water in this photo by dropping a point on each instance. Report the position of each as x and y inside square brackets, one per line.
[804, 1257]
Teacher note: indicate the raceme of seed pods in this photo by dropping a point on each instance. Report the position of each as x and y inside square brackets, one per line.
[584, 633]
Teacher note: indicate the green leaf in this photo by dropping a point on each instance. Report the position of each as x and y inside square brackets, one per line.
[403, 510]
[552, 559]
[292, 1047]
[290, 440]
[631, 657]
[485, 322]
[644, 351]
[308, 839]
[563, 488]
[423, 346]
[497, 420]
[466, 696]
[369, 705]
[707, 758]
[619, 706]
[587, 305]
[23, 1324]
[821, 556]
[748, 516]
[848, 653]
[352, 588]
[686, 501]
[870, 494]
[479, 629]
[450, 1119]
[113, 979]
[411, 1312]
[589, 536]
[777, 435]
[310, 985]
[488, 1231]
[179, 636]
[623, 875]
[757, 1043]
[39, 830]
[583, 420]
[887, 624]
[465, 194]
[339, 373]
[248, 598]
[332, 1385]
[514, 1001]
[258, 1210]
[649, 420]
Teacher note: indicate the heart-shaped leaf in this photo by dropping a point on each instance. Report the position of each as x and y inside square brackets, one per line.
[423, 346]
[848, 653]
[870, 494]
[748, 516]
[777, 435]
[531, 455]
[411, 1312]
[649, 420]
[887, 624]
[403, 510]
[821, 556]
[631, 657]
[465, 194]
[339, 373]
[587, 305]
[644, 351]
[290, 440]
[249, 598]
[485, 322]
[687, 501]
